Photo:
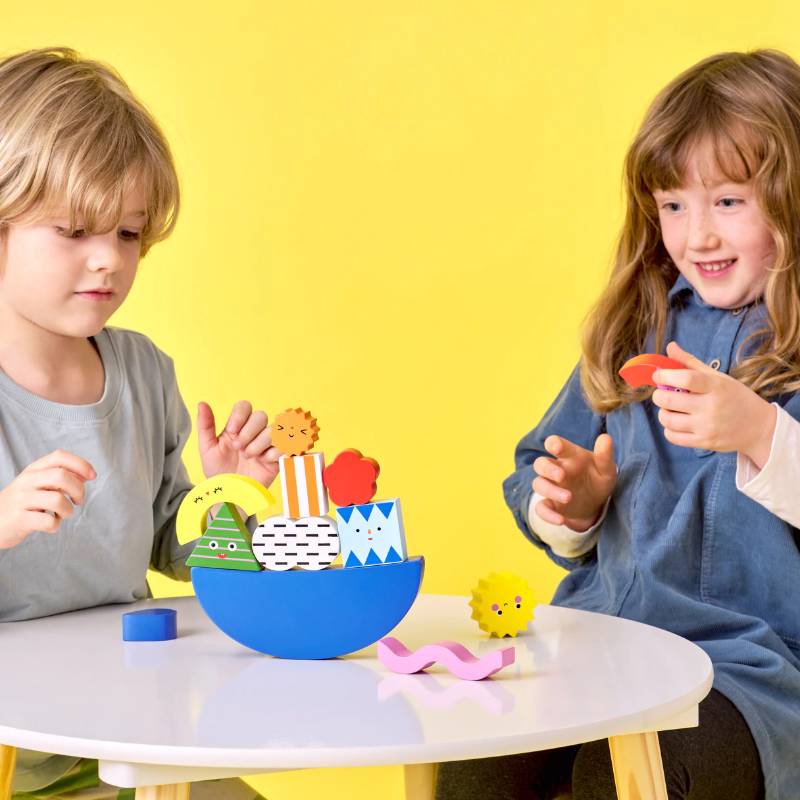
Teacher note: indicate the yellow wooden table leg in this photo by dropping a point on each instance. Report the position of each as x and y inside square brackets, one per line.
[638, 771]
[420, 781]
[8, 757]
[172, 791]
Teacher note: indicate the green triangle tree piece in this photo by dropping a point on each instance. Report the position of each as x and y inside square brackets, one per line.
[225, 544]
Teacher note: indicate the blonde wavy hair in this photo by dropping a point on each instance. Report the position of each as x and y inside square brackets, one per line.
[747, 105]
[72, 133]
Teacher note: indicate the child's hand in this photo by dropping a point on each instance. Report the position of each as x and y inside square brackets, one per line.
[244, 446]
[36, 500]
[575, 484]
[717, 412]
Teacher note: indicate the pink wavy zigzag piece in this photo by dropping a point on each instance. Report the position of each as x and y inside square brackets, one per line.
[392, 653]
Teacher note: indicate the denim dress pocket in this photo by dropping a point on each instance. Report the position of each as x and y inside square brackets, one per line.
[615, 545]
[750, 557]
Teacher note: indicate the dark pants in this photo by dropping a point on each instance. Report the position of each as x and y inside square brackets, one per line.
[717, 759]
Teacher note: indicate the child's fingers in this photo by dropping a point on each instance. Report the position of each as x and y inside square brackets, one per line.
[546, 511]
[57, 479]
[40, 521]
[239, 415]
[66, 460]
[604, 453]
[260, 444]
[550, 490]
[685, 402]
[561, 447]
[253, 426]
[548, 468]
[553, 445]
[206, 426]
[53, 501]
[675, 421]
[273, 454]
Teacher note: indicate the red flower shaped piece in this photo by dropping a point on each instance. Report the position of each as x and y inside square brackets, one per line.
[350, 478]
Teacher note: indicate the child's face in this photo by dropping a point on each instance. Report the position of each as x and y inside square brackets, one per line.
[69, 286]
[702, 224]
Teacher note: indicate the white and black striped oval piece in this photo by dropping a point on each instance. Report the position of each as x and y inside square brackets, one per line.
[280, 543]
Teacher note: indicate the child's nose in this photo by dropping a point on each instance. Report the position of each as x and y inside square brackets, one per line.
[105, 255]
[702, 235]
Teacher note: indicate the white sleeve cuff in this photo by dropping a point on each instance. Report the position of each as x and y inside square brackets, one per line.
[775, 485]
[563, 540]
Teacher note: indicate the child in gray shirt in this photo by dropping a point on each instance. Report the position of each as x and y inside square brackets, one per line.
[92, 424]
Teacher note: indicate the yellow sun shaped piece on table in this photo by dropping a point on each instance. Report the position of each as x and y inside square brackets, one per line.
[502, 604]
[294, 431]
[241, 490]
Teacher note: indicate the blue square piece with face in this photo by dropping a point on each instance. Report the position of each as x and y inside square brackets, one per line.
[371, 533]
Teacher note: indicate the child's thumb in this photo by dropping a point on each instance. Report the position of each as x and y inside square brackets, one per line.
[674, 350]
[604, 452]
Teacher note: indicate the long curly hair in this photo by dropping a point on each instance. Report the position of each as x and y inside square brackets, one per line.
[747, 105]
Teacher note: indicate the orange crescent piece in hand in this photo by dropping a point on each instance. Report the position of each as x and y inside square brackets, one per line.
[638, 371]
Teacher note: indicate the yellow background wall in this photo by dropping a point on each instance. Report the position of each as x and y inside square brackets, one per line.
[395, 214]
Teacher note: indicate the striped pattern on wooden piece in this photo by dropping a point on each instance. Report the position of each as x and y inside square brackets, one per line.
[304, 493]
[281, 543]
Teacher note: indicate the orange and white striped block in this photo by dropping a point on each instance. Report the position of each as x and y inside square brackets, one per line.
[304, 493]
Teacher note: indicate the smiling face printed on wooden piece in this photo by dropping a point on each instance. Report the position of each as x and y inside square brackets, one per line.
[294, 431]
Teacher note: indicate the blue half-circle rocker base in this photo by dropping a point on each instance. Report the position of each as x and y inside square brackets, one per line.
[306, 614]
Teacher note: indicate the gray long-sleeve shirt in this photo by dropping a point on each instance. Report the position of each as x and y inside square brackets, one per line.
[133, 437]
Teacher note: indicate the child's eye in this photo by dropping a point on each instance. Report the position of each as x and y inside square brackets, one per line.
[670, 203]
[732, 200]
[129, 236]
[74, 234]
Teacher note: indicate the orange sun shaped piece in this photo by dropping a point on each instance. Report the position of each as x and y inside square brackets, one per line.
[294, 431]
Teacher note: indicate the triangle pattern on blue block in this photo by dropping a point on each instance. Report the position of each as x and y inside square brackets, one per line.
[366, 510]
[372, 558]
[392, 556]
[352, 560]
[345, 513]
[385, 508]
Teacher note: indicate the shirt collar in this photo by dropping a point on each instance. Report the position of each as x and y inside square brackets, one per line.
[681, 287]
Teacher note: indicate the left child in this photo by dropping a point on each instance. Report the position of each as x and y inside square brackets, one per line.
[92, 423]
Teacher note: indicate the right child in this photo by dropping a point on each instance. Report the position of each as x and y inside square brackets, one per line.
[679, 509]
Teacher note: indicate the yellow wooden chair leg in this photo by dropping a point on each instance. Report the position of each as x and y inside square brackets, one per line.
[420, 781]
[8, 758]
[638, 770]
[172, 791]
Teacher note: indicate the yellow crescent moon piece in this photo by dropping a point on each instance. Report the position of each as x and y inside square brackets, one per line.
[502, 604]
[245, 492]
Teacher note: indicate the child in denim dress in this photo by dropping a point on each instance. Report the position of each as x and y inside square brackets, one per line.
[92, 424]
[681, 509]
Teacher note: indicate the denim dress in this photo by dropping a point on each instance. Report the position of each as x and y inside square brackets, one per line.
[683, 549]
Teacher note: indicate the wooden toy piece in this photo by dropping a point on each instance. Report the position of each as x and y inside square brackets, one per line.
[303, 489]
[301, 614]
[502, 604]
[225, 544]
[150, 625]
[245, 492]
[294, 431]
[372, 533]
[350, 478]
[638, 371]
[392, 653]
[311, 543]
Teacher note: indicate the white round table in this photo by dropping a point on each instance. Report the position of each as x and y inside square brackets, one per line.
[160, 714]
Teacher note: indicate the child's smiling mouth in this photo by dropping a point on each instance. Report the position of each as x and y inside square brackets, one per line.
[714, 269]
